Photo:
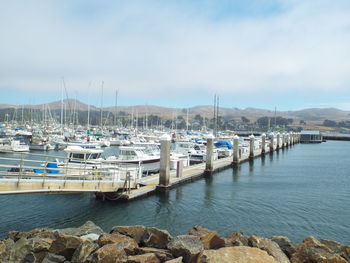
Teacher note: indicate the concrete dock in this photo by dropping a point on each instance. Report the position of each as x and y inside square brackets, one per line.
[152, 184]
[133, 187]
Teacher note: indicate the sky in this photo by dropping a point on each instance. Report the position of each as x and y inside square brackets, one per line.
[288, 54]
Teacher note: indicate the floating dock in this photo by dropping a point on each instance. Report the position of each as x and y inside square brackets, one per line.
[151, 184]
[128, 187]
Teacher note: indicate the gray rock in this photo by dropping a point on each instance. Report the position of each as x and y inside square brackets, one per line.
[155, 237]
[87, 228]
[38, 232]
[175, 260]
[109, 253]
[52, 258]
[337, 248]
[39, 244]
[312, 250]
[90, 237]
[122, 242]
[162, 254]
[187, 246]
[210, 239]
[236, 239]
[144, 258]
[285, 244]
[65, 245]
[135, 232]
[84, 251]
[237, 254]
[19, 250]
[270, 247]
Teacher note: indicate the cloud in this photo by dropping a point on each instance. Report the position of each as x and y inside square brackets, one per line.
[158, 48]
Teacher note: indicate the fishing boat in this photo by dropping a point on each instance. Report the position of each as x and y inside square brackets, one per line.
[10, 145]
[133, 156]
[90, 161]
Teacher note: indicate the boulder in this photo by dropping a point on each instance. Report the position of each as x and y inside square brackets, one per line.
[19, 251]
[84, 251]
[39, 244]
[90, 237]
[270, 247]
[285, 244]
[87, 228]
[187, 246]
[342, 250]
[312, 250]
[175, 260]
[5, 247]
[144, 258]
[135, 232]
[38, 232]
[210, 239]
[236, 239]
[110, 253]
[162, 254]
[237, 254]
[125, 243]
[65, 245]
[52, 258]
[155, 237]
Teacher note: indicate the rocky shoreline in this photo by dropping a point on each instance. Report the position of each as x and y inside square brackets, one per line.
[139, 244]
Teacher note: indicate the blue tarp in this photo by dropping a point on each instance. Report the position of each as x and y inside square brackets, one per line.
[224, 144]
[48, 170]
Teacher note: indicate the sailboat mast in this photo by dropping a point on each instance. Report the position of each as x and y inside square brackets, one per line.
[88, 116]
[61, 108]
[102, 104]
[116, 109]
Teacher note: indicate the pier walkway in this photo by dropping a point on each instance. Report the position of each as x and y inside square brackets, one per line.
[125, 183]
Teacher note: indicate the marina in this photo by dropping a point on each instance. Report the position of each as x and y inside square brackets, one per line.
[85, 171]
[174, 131]
[292, 192]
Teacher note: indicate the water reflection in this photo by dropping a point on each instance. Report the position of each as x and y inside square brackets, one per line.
[235, 173]
[251, 166]
[208, 191]
[178, 193]
[263, 160]
[271, 156]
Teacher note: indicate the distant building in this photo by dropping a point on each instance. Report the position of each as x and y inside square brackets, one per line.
[311, 136]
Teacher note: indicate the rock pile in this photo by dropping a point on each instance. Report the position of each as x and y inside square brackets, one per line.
[139, 244]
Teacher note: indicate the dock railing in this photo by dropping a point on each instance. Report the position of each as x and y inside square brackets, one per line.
[49, 170]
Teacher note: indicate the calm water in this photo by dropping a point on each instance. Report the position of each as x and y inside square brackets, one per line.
[297, 192]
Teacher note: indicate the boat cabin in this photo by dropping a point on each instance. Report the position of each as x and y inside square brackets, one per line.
[79, 154]
[311, 137]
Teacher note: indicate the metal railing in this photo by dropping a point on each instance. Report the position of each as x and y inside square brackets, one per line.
[29, 166]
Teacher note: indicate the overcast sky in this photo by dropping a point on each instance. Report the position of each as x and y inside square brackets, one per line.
[291, 54]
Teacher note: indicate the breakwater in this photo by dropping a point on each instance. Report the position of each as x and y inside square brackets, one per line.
[139, 244]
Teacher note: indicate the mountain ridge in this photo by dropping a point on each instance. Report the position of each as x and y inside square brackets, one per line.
[314, 114]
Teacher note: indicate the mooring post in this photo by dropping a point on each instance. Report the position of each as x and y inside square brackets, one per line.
[283, 140]
[209, 162]
[278, 141]
[263, 143]
[164, 171]
[251, 146]
[272, 142]
[288, 139]
[235, 150]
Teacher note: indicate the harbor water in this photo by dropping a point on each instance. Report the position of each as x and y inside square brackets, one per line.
[296, 192]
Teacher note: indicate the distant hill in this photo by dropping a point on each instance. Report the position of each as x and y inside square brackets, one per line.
[312, 114]
[56, 105]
